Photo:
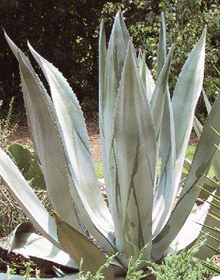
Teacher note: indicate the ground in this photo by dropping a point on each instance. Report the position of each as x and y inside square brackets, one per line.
[22, 135]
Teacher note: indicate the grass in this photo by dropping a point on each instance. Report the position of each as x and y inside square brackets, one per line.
[99, 168]
[190, 152]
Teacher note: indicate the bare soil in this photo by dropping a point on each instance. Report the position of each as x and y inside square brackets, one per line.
[22, 135]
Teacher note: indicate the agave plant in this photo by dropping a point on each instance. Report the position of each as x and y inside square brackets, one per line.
[139, 126]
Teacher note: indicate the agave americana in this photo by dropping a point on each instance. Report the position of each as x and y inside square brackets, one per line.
[140, 125]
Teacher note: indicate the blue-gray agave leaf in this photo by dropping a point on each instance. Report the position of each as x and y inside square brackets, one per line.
[46, 129]
[108, 92]
[41, 117]
[134, 147]
[200, 165]
[76, 148]
[161, 54]
[165, 193]
[25, 240]
[27, 199]
[158, 99]
[146, 75]
[187, 92]
[80, 247]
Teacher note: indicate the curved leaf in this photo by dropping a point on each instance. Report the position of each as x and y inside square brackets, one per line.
[27, 199]
[192, 227]
[46, 137]
[25, 241]
[77, 151]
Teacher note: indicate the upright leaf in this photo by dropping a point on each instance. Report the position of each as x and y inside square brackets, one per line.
[200, 165]
[102, 66]
[161, 54]
[165, 193]
[207, 103]
[197, 127]
[185, 97]
[114, 63]
[135, 155]
[157, 102]
[146, 76]
[216, 160]
[126, 35]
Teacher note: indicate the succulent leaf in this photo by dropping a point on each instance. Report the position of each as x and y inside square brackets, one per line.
[158, 99]
[135, 152]
[216, 160]
[197, 127]
[77, 151]
[27, 199]
[200, 165]
[44, 129]
[146, 76]
[78, 246]
[192, 227]
[161, 55]
[165, 193]
[187, 92]
[114, 64]
[207, 103]
[24, 240]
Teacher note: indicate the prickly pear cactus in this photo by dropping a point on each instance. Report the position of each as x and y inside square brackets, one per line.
[28, 163]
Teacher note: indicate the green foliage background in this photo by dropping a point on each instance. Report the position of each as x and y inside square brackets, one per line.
[66, 33]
